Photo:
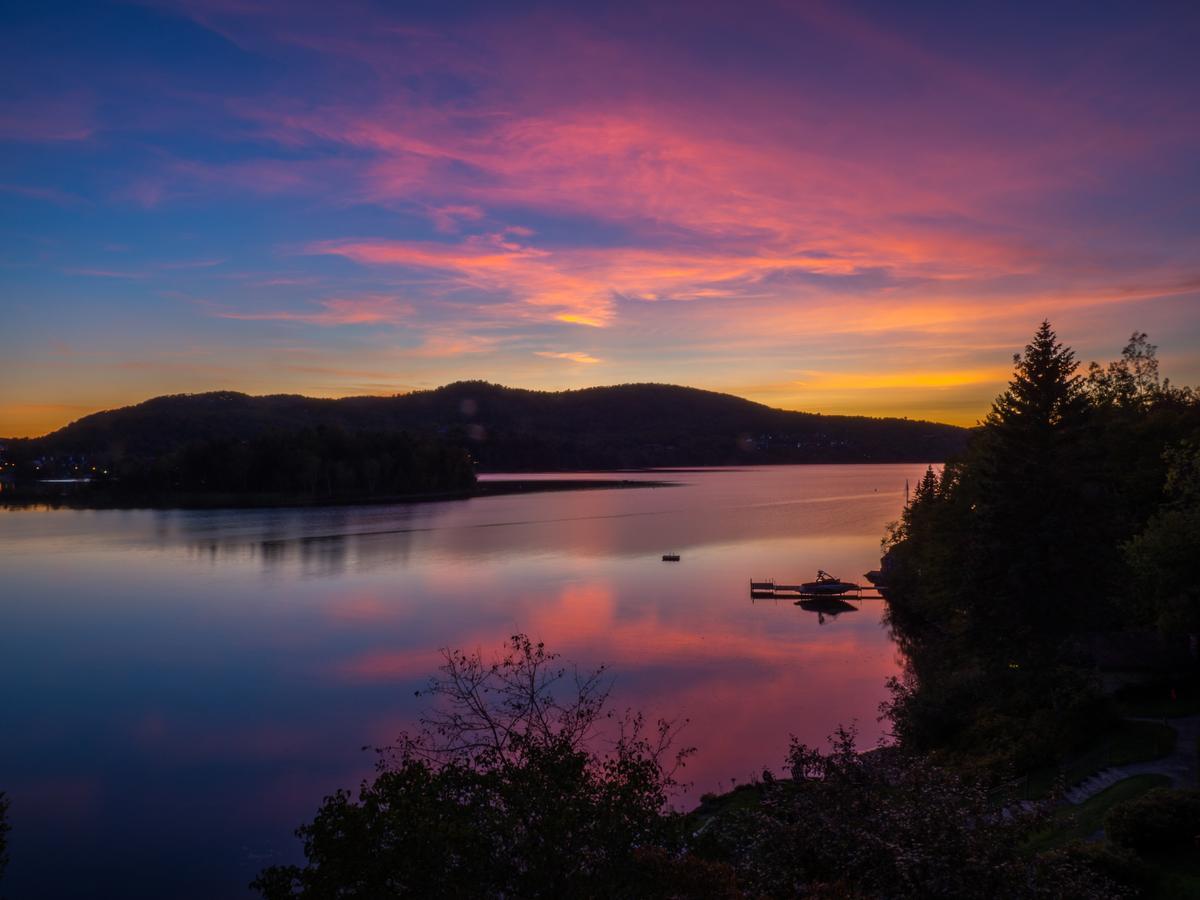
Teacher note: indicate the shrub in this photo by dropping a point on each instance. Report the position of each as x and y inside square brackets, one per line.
[1119, 866]
[1161, 819]
[502, 795]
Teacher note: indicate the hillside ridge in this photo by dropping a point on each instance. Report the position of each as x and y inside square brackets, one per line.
[615, 426]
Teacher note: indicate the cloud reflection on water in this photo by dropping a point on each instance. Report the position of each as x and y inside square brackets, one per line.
[209, 675]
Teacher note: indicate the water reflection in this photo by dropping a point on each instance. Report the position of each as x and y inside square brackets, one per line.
[180, 688]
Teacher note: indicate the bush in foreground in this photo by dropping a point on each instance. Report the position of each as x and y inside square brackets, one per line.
[500, 795]
[885, 823]
[504, 794]
[1160, 820]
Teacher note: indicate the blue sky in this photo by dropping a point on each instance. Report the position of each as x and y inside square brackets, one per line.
[845, 208]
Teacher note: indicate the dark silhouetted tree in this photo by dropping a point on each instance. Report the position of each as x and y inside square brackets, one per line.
[1165, 555]
[4, 830]
[1132, 381]
[999, 568]
[502, 794]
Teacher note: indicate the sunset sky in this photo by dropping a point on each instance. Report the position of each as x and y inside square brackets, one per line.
[860, 208]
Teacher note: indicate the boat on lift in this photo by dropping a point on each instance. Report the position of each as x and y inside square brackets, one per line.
[828, 585]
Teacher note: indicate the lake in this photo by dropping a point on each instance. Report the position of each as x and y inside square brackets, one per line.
[179, 689]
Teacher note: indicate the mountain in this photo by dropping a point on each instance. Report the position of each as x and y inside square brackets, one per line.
[508, 429]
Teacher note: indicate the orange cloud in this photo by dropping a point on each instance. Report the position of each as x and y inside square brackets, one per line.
[902, 379]
[570, 356]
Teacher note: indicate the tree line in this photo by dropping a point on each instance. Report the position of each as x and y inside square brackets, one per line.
[322, 462]
[1068, 529]
[507, 429]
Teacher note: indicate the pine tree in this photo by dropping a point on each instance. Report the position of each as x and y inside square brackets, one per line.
[1027, 578]
[927, 488]
[1045, 392]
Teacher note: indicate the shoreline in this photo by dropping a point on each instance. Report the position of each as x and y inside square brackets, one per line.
[85, 499]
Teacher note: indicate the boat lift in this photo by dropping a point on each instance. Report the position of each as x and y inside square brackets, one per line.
[773, 590]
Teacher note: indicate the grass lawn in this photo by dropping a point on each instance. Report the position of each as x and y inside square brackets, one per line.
[1127, 743]
[1075, 822]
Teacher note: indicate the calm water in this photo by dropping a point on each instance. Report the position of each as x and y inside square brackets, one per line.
[178, 689]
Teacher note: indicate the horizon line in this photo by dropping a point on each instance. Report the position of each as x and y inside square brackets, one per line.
[479, 381]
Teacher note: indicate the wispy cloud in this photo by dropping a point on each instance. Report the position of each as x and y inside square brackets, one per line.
[568, 355]
[107, 273]
[369, 310]
[49, 194]
[47, 119]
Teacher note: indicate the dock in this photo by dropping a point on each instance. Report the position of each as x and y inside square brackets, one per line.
[774, 590]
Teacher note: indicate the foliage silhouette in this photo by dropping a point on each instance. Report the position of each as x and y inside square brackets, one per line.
[1160, 820]
[320, 463]
[5, 828]
[501, 794]
[1164, 555]
[1027, 544]
[887, 823]
[511, 430]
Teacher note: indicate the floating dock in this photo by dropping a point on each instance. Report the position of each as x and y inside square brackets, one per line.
[773, 590]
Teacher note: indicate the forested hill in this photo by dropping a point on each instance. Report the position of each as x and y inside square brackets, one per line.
[510, 429]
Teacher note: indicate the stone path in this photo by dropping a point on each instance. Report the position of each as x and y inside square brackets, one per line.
[1180, 766]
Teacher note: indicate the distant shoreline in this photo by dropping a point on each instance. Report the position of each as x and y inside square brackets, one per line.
[86, 498]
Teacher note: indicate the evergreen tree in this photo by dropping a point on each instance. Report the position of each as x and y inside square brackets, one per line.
[996, 569]
[1045, 392]
[927, 488]
[999, 567]
[1029, 473]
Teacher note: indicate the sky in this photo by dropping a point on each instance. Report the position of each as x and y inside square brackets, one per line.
[857, 208]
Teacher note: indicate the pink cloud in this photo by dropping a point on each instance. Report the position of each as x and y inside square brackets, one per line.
[449, 343]
[582, 285]
[366, 310]
[46, 120]
[448, 219]
[721, 184]
[147, 192]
